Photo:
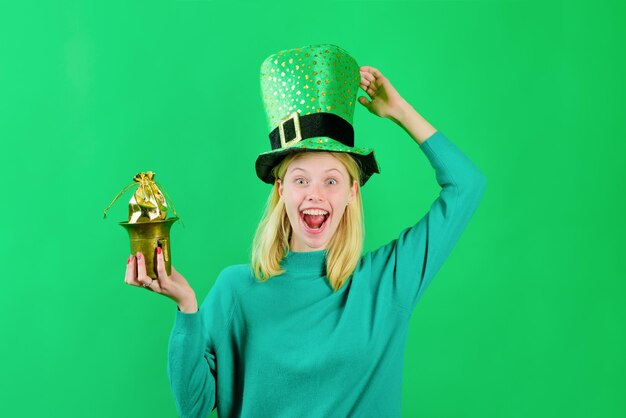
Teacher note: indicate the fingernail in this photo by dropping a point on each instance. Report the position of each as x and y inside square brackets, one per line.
[159, 250]
[139, 256]
[128, 261]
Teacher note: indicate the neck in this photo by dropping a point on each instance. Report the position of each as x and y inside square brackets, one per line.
[296, 262]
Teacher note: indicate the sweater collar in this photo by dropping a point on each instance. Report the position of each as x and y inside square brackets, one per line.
[308, 262]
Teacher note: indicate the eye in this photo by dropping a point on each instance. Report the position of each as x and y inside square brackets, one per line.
[332, 181]
[300, 180]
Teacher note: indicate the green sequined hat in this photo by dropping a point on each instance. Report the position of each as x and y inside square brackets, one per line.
[309, 95]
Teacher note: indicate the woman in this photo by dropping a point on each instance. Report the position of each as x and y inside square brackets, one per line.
[312, 327]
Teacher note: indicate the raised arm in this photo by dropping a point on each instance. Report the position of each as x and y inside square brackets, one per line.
[403, 268]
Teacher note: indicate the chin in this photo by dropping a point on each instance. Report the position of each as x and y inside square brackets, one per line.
[315, 245]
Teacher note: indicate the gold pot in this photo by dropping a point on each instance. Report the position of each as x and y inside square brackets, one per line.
[146, 237]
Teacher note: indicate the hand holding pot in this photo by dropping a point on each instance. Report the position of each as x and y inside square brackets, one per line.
[174, 286]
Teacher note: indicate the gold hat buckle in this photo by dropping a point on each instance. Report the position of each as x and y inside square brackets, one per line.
[296, 124]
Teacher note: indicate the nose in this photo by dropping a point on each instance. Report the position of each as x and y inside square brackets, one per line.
[315, 193]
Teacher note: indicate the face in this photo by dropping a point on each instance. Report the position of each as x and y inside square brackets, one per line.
[316, 189]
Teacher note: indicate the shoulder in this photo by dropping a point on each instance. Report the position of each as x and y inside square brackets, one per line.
[236, 278]
[382, 255]
[230, 284]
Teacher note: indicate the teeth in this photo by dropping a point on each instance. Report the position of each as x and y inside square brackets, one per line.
[314, 212]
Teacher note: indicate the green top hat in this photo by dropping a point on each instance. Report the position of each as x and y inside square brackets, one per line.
[309, 95]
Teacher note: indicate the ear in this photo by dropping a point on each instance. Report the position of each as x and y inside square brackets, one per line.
[353, 190]
[280, 187]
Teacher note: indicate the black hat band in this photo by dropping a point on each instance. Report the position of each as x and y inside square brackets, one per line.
[295, 128]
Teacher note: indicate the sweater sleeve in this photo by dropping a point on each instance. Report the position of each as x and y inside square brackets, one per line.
[192, 362]
[403, 269]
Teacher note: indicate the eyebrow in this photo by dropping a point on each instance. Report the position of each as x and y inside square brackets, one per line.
[302, 169]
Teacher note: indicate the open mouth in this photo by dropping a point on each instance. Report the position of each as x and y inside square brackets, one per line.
[314, 220]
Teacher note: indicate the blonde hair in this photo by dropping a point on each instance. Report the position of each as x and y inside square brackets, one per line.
[271, 240]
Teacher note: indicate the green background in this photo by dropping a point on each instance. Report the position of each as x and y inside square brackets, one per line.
[525, 319]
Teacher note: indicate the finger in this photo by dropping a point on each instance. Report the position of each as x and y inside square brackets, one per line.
[131, 272]
[369, 89]
[128, 274]
[161, 272]
[372, 71]
[367, 85]
[378, 82]
[364, 101]
[368, 76]
[142, 276]
[154, 286]
[369, 81]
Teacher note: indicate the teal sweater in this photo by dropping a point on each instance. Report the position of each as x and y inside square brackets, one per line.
[290, 347]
